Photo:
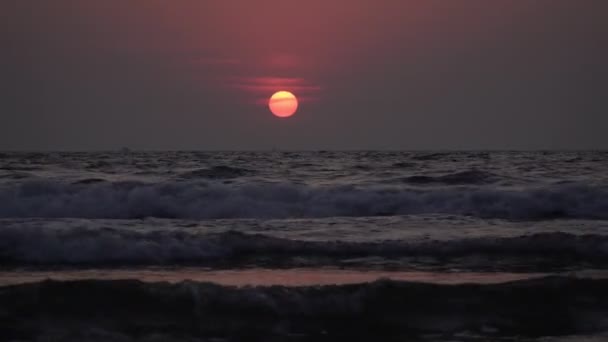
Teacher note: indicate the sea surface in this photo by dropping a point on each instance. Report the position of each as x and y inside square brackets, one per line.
[304, 246]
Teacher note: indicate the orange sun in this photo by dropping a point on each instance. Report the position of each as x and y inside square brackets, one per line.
[283, 104]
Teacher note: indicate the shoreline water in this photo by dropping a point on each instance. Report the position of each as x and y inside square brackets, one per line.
[132, 310]
[277, 277]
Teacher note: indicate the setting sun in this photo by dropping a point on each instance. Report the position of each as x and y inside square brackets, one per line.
[283, 104]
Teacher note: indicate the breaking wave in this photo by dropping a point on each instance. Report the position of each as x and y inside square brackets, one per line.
[211, 200]
[79, 246]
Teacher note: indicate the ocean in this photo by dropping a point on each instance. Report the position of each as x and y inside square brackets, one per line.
[304, 246]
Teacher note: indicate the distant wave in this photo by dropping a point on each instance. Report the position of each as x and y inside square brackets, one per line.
[389, 310]
[403, 165]
[20, 245]
[430, 156]
[457, 178]
[211, 200]
[15, 176]
[90, 181]
[218, 172]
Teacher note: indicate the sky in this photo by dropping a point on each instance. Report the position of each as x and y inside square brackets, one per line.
[369, 74]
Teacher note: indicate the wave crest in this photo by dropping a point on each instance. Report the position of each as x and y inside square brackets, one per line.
[202, 200]
[77, 246]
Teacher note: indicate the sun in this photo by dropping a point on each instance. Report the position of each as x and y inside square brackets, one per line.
[283, 104]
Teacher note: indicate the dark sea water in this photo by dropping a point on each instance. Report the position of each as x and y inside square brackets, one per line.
[239, 246]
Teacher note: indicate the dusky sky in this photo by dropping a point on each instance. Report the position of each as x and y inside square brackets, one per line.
[369, 74]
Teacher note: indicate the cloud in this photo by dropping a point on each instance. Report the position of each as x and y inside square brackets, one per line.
[262, 87]
[263, 84]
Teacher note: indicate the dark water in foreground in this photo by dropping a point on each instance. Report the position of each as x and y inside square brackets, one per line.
[530, 230]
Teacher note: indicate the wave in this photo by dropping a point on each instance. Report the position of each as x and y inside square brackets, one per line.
[218, 172]
[212, 200]
[457, 178]
[90, 181]
[25, 245]
[16, 175]
[403, 165]
[431, 156]
[390, 310]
